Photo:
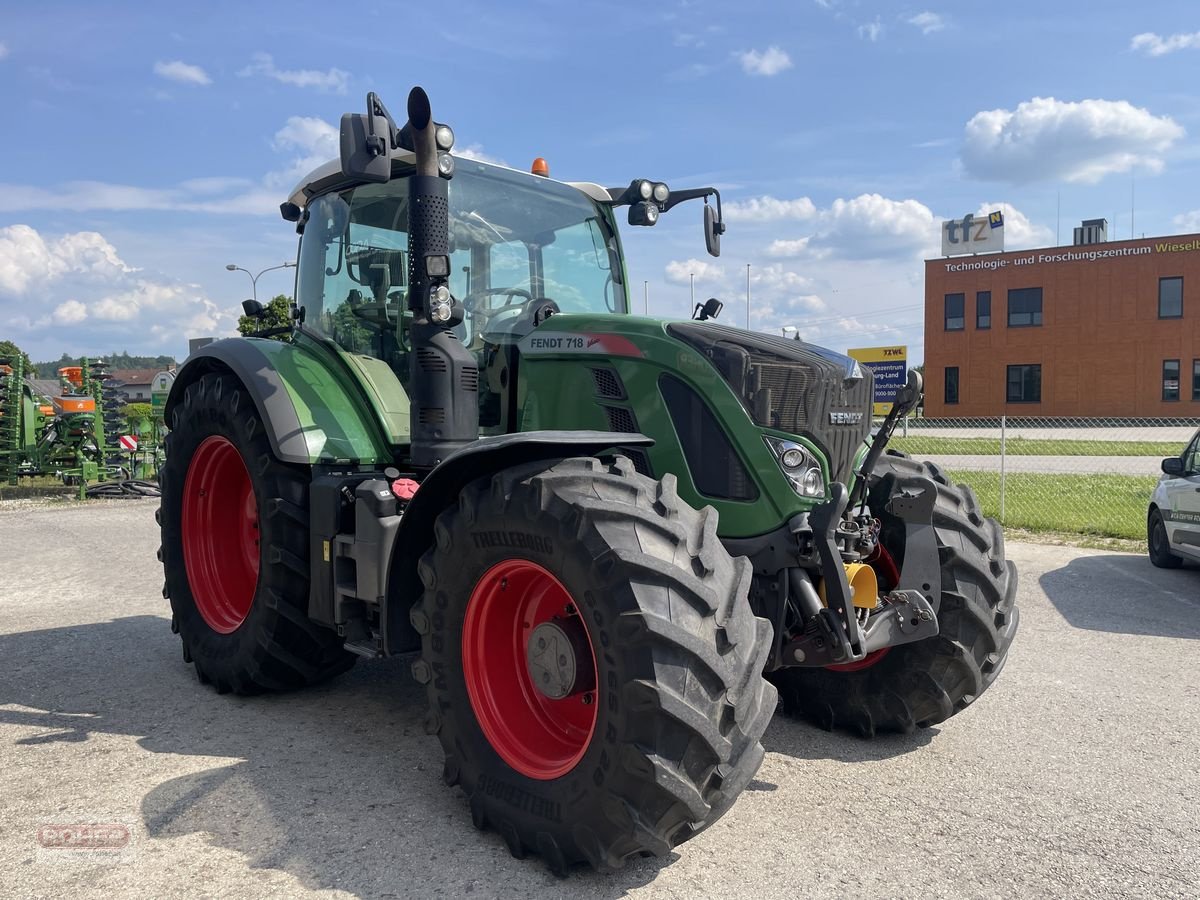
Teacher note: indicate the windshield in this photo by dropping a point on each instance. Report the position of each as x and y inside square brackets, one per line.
[513, 238]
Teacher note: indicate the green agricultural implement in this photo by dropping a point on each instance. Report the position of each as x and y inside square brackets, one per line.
[612, 542]
[72, 435]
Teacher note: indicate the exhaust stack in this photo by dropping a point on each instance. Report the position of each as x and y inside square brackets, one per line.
[444, 380]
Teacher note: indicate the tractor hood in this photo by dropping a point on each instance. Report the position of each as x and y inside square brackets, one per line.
[791, 386]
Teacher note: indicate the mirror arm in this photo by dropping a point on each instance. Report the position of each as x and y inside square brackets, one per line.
[378, 146]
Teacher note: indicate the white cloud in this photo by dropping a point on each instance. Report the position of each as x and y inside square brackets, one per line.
[1188, 221]
[1083, 141]
[872, 30]
[782, 249]
[3, 50]
[29, 261]
[1019, 232]
[928, 22]
[333, 80]
[874, 226]
[768, 209]
[768, 62]
[476, 152]
[108, 303]
[71, 312]
[680, 271]
[177, 70]
[1156, 45]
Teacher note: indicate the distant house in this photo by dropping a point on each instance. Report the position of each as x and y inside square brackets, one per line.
[136, 383]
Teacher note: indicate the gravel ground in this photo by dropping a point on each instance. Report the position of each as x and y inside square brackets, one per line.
[1074, 776]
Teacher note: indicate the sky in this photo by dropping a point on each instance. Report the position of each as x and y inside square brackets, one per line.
[145, 146]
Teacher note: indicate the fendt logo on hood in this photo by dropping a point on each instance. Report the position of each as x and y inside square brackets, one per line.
[845, 418]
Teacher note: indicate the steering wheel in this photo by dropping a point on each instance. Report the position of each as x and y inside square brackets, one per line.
[472, 303]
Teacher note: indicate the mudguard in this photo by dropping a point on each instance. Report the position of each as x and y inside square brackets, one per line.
[442, 487]
[313, 410]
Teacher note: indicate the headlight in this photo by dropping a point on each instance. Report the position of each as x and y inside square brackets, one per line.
[645, 189]
[661, 192]
[798, 464]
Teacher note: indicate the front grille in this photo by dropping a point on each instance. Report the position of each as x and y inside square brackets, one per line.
[790, 386]
[716, 469]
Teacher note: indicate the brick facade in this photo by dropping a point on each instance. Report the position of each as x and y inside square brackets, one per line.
[1101, 344]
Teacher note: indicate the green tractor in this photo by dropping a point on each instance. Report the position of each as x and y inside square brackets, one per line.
[613, 542]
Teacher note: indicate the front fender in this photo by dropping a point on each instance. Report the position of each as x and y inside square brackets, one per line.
[441, 488]
[312, 410]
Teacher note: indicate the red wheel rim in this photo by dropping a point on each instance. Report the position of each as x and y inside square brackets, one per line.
[539, 737]
[220, 534]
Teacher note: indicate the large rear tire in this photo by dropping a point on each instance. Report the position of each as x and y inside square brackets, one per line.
[234, 526]
[921, 684]
[665, 703]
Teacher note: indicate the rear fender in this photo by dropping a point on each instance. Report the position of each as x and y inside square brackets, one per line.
[441, 488]
[313, 411]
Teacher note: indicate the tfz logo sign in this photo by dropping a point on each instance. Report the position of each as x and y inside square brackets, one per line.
[971, 235]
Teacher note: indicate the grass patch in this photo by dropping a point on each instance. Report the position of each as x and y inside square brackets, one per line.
[1020, 446]
[1099, 505]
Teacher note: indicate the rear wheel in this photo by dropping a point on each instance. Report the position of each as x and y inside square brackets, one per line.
[1158, 544]
[235, 548]
[592, 663]
[921, 684]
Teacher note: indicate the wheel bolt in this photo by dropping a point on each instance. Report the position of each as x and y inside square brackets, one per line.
[588, 699]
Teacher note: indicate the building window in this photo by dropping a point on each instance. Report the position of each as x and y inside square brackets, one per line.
[1025, 384]
[1170, 380]
[956, 316]
[951, 384]
[983, 310]
[1024, 307]
[1195, 380]
[1170, 298]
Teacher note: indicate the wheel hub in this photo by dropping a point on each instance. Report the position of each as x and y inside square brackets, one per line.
[550, 656]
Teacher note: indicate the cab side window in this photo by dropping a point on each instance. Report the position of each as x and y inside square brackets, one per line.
[1191, 457]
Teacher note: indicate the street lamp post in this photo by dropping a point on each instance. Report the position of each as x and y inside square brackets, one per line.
[692, 277]
[747, 296]
[646, 295]
[254, 278]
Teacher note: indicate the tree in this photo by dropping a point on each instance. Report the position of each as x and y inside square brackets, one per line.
[278, 315]
[11, 350]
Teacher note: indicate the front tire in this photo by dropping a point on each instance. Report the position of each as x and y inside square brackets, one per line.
[234, 526]
[916, 685]
[1157, 543]
[663, 700]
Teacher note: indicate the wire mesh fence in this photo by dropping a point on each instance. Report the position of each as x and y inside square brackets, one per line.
[1090, 476]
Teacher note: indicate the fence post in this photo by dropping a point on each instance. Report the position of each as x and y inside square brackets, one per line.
[906, 426]
[1003, 429]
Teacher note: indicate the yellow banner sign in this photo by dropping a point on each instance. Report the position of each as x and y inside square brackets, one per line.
[889, 365]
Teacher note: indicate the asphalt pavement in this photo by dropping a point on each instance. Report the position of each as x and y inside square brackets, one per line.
[1074, 776]
[1050, 465]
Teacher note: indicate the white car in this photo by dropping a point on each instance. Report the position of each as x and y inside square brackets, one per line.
[1173, 523]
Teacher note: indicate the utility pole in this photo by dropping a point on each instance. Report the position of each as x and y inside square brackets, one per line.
[692, 308]
[747, 296]
[646, 295]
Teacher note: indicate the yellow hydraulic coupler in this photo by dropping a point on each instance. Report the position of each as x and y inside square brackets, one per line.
[864, 586]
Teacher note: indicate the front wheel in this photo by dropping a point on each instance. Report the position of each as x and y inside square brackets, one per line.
[592, 663]
[235, 548]
[921, 684]
[1157, 543]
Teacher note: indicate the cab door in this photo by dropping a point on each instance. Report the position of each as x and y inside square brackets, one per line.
[1183, 495]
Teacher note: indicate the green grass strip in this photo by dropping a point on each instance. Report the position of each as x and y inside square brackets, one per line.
[1107, 505]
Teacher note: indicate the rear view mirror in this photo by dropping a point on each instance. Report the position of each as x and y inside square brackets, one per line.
[712, 231]
[1173, 465]
[364, 148]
